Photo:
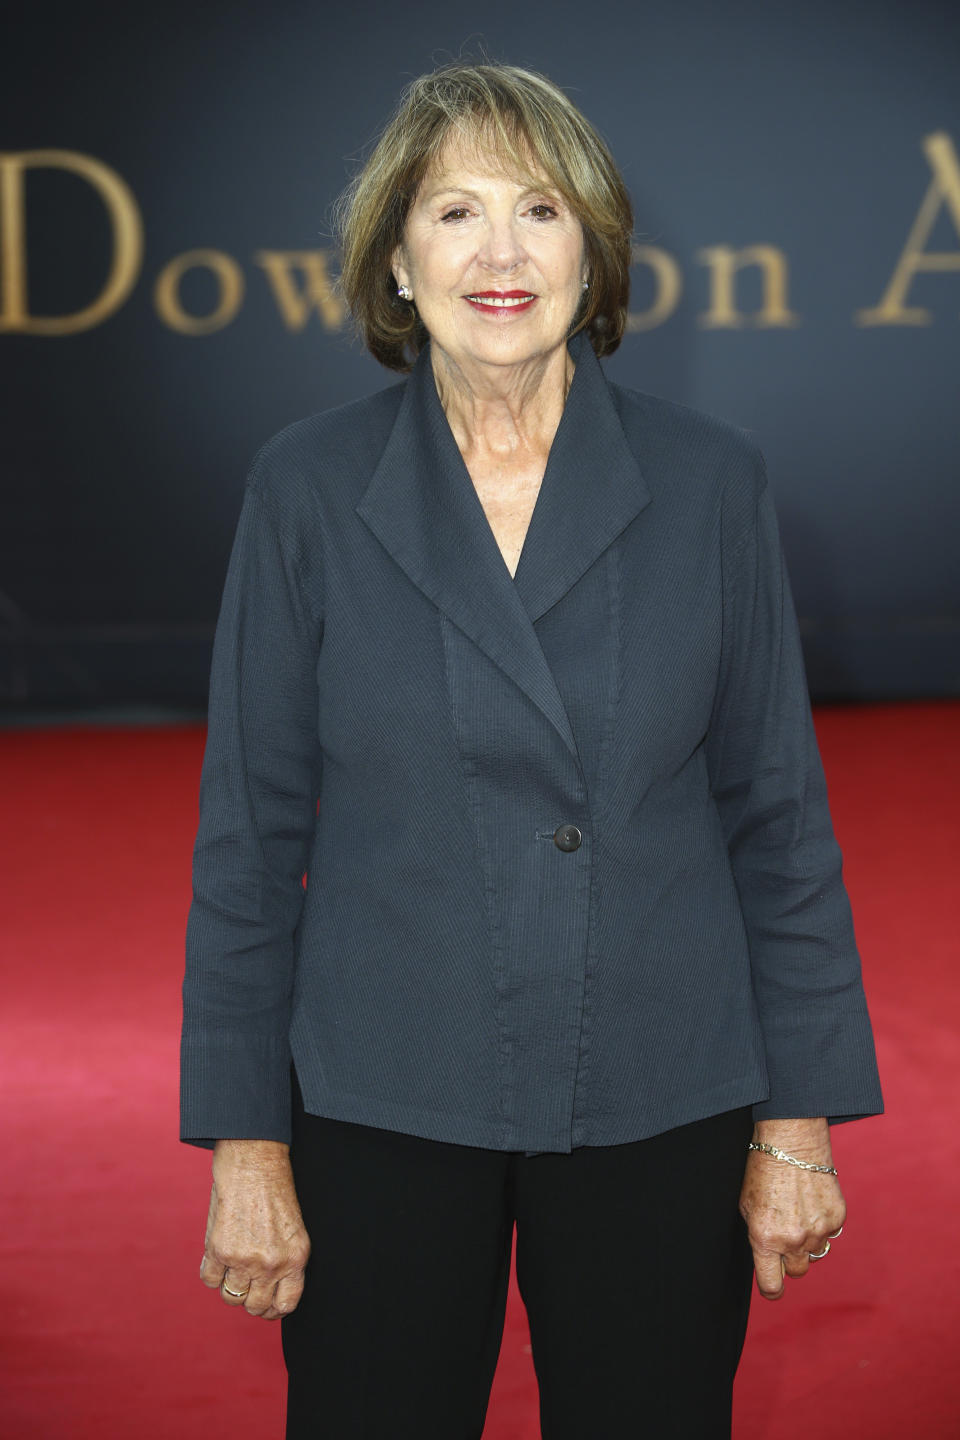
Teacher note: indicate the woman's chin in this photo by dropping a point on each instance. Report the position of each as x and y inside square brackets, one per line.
[506, 345]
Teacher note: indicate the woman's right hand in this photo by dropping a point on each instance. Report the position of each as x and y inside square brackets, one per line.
[256, 1246]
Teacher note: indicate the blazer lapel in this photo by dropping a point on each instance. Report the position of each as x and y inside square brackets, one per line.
[591, 491]
[423, 509]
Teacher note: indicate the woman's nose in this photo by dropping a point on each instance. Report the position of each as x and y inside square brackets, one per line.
[502, 248]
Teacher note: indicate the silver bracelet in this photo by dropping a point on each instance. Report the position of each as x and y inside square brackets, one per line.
[790, 1159]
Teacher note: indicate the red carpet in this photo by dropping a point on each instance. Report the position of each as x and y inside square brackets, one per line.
[106, 1332]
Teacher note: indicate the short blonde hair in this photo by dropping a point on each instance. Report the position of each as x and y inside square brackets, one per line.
[529, 127]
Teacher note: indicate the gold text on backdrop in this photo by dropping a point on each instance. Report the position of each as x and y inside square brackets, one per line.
[724, 262]
[944, 190]
[301, 283]
[126, 225]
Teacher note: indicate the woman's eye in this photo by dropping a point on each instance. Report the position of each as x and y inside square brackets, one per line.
[459, 212]
[542, 211]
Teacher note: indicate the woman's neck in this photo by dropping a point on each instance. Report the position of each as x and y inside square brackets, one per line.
[503, 410]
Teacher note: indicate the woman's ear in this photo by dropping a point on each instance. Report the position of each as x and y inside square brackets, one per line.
[400, 272]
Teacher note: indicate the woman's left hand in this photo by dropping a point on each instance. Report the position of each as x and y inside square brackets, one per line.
[791, 1214]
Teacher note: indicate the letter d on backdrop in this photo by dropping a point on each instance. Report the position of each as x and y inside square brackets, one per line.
[126, 224]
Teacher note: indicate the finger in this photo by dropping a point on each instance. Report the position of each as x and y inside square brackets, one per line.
[796, 1266]
[234, 1287]
[768, 1266]
[272, 1303]
[260, 1297]
[212, 1272]
[285, 1300]
[288, 1293]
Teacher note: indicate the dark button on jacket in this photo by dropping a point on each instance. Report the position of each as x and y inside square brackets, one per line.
[567, 837]
[394, 716]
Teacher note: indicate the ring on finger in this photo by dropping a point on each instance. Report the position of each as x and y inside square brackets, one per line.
[242, 1294]
[836, 1235]
[821, 1254]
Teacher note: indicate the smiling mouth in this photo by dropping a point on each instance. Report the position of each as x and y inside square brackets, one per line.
[501, 299]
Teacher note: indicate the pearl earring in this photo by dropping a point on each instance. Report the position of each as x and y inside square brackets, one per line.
[404, 292]
[586, 284]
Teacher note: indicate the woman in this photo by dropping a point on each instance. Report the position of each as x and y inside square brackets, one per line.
[506, 668]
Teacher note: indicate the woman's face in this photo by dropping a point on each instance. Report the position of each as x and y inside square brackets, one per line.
[497, 266]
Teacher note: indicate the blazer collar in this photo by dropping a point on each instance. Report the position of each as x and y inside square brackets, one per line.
[591, 490]
[422, 507]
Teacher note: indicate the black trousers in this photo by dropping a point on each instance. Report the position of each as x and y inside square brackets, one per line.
[632, 1260]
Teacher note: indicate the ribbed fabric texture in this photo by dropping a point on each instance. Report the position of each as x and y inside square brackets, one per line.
[393, 715]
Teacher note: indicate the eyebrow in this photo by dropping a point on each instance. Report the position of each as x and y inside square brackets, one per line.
[457, 190]
[450, 190]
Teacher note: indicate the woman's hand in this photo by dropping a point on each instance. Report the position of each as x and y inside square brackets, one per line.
[791, 1214]
[256, 1247]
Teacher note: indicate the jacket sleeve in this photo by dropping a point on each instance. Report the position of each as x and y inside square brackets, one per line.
[768, 785]
[258, 799]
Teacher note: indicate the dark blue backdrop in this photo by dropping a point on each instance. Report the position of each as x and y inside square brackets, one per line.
[166, 182]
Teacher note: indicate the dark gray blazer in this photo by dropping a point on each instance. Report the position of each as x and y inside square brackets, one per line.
[426, 739]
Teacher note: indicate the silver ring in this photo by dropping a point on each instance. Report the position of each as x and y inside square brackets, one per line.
[823, 1252]
[242, 1294]
[837, 1235]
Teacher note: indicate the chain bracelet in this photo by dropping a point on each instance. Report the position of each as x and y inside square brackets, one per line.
[790, 1159]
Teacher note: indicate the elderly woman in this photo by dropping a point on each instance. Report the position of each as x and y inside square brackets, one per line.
[517, 902]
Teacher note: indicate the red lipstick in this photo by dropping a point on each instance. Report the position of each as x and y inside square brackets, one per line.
[500, 302]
